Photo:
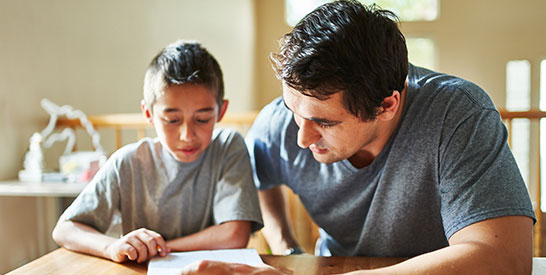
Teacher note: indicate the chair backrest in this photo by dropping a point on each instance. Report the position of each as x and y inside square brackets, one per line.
[122, 122]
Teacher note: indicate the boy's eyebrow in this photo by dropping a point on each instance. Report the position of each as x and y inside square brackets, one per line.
[315, 119]
[202, 110]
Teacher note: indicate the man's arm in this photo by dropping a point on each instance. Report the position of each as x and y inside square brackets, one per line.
[138, 245]
[276, 229]
[231, 234]
[495, 246]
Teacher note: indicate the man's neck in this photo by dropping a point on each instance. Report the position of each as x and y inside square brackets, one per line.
[387, 128]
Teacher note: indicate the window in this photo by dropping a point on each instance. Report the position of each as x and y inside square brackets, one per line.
[543, 133]
[407, 10]
[518, 91]
[421, 52]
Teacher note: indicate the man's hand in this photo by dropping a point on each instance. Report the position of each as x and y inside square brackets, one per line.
[138, 245]
[221, 268]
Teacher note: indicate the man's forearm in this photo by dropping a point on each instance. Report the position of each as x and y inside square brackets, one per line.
[495, 246]
[276, 229]
[459, 259]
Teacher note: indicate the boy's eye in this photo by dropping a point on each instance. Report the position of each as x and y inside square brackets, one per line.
[203, 121]
[171, 121]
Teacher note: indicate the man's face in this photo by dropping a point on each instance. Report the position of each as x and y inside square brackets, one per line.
[328, 129]
[184, 118]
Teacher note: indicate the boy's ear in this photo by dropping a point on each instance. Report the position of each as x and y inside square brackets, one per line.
[146, 112]
[223, 110]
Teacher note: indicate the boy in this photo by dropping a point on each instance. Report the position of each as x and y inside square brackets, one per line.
[188, 189]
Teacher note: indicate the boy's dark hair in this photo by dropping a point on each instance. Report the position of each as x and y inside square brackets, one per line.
[345, 46]
[179, 63]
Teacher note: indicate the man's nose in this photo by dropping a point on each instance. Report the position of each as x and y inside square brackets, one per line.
[307, 135]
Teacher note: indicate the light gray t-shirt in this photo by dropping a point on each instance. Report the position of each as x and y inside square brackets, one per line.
[153, 190]
[447, 166]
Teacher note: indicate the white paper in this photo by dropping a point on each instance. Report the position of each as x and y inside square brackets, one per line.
[539, 266]
[174, 262]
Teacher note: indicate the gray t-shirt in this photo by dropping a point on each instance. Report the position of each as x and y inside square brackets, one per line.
[153, 190]
[447, 166]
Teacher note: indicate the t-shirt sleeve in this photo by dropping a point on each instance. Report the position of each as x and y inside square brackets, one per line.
[479, 178]
[263, 142]
[235, 197]
[97, 203]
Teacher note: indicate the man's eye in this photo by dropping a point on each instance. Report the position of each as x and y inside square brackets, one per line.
[325, 126]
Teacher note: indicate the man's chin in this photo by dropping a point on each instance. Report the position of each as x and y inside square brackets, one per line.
[324, 158]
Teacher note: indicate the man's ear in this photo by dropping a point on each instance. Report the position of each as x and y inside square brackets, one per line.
[223, 110]
[389, 106]
[145, 111]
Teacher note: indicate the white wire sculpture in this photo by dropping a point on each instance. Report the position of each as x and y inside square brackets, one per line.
[34, 158]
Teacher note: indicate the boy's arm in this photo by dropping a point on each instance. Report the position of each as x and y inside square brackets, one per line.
[139, 245]
[276, 229]
[230, 234]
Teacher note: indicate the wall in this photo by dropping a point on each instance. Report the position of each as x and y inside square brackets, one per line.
[92, 55]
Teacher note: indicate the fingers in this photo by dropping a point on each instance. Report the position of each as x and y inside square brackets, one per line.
[143, 244]
[156, 244]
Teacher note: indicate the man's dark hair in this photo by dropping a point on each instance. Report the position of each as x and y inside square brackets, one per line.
[179, 63]
[345, 46]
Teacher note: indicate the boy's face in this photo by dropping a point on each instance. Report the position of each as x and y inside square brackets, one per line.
[184, 118]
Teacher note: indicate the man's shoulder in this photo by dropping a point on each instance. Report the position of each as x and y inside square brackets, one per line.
[273, 119]
[453, 90]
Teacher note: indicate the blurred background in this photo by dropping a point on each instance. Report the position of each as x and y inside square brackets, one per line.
[92, 55]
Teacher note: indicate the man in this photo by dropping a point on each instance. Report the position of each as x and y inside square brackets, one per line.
[389, 159]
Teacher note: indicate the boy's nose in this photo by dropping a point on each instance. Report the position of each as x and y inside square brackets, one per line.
[186, 132]
[306, 134]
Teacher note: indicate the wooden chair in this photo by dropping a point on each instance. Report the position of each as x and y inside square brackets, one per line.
[532, 115]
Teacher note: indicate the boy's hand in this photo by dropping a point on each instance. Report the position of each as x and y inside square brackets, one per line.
[222, 268]
[138, 245]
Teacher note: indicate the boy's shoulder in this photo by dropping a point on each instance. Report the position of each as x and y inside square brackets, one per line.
[226, 140]
[143, 149]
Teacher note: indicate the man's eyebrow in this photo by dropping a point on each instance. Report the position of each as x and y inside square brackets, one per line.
[324, 121]
[316, 119]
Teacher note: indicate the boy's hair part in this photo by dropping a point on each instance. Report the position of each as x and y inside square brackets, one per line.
[347, 47]
[179, 63]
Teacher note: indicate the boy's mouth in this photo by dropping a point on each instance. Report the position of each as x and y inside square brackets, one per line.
[188, 150]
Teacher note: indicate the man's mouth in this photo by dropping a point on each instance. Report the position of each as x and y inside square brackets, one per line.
[315, 149]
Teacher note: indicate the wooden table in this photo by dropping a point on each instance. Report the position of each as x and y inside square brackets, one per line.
[62, 261]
